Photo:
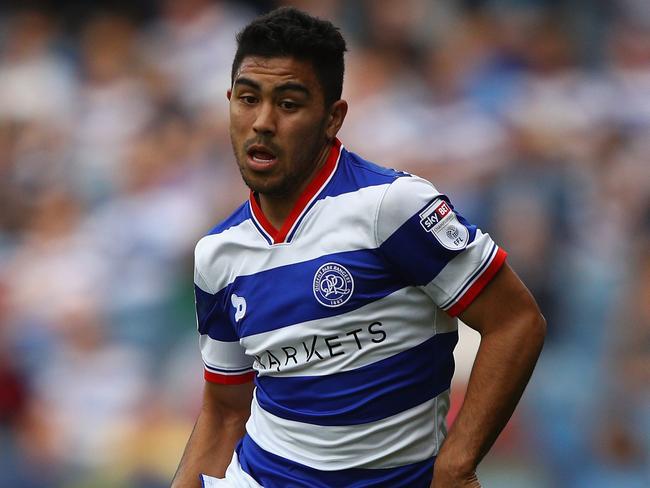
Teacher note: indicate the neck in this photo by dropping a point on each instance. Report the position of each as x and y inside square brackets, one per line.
[277, 208]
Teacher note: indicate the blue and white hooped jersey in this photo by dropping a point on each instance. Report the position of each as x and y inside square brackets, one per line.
[345, 320]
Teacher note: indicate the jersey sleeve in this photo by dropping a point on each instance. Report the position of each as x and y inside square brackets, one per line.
[224, 359]
[430, 245]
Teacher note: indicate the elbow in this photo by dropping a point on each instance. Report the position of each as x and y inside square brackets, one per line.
[235, 419]
[227, 418]
[537, 327]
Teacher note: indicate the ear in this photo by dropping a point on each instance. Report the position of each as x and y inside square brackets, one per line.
[229, 93]
[338, 111]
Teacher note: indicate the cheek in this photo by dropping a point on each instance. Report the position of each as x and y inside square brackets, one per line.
[238, 120]
[306, 130]
[305, 143]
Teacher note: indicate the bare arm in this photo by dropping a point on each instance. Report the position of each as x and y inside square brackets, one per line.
[512, 333]
[219, 427]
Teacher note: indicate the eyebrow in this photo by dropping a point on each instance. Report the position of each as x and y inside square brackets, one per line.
[293, 86]
[288, 86]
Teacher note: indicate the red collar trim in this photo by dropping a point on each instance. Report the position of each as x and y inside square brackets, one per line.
[311, 191]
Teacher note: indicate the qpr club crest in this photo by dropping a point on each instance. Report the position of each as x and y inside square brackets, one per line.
[333, 285]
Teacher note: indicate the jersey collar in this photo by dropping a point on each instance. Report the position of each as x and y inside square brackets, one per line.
[303, 204]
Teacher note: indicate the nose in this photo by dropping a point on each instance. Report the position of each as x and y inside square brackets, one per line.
[265, 119]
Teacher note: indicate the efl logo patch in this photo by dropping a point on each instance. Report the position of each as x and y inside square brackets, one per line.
[439, 219]
[333, 285]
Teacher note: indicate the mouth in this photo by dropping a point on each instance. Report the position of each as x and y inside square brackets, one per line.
[261, 157]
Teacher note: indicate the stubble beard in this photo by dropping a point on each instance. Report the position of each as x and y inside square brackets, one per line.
[288, 182]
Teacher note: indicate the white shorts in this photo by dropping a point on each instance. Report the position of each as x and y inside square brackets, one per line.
[235, 477]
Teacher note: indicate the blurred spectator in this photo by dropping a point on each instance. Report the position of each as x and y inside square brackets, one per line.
[54, 265]
[620, 436]
[89, 391]
[193, 44]
[112, 106]
[153, 221]
[36, 82]
[37, 86]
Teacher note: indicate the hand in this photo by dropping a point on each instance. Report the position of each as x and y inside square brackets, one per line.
[446, 478]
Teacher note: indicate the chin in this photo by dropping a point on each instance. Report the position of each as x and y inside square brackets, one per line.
[276, 185]
[264, 187]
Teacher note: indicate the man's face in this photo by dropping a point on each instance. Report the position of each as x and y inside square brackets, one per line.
[278, 123]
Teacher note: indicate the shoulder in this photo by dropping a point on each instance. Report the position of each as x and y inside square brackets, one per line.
[356, 173]
[372, 170]
[241, 214]
[397, 195]
[404, 199]
[211, 245]
[223, 230]
[411, 190]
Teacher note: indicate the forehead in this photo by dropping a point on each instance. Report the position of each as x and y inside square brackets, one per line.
[277, 70]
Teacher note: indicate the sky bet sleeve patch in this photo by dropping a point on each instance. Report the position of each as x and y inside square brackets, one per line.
[439, 219]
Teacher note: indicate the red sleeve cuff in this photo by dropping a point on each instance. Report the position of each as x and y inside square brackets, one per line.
[228, 379]
[474, 290]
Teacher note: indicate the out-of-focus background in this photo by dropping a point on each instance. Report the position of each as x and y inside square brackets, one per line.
[534, 116]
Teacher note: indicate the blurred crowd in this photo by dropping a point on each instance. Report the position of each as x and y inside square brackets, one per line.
[533, 116]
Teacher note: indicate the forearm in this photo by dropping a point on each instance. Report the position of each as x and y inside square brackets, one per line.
[209, 449]
[503, 365]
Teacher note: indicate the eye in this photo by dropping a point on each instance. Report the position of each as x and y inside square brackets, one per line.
[288, 105]
[248, 99]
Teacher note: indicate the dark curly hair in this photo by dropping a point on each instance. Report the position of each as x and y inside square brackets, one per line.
[289, 32]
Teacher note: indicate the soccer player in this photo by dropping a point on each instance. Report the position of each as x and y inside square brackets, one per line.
[327, 302]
